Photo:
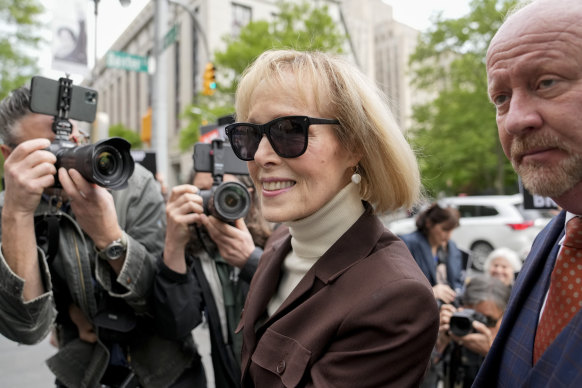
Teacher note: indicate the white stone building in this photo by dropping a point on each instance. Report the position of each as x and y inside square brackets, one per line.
[381, 47]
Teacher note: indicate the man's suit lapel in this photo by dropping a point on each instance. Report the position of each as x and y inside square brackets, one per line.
[521, 316]
[541, 257]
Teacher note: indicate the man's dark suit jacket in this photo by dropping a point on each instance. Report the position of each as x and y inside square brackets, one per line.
[363, 316]
[510, 359]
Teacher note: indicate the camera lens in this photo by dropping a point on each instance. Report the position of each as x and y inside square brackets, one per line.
[106, 163]
[111, 163]
[231, 201]
[461, 325]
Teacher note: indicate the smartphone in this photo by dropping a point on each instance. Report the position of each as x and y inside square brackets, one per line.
[204, 162]
[44, 99]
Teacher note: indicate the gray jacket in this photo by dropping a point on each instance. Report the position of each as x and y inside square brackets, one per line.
[156, 361]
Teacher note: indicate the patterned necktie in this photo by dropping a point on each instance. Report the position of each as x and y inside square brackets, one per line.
[565, 294]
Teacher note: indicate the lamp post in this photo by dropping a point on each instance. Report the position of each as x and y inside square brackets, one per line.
[159, 92]
[124, 4]
[196, 24]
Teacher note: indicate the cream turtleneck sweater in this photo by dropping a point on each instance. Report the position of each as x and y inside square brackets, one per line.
[312, 236]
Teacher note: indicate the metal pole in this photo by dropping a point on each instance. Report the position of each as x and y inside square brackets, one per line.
[95, 48]
[159, 92]
[196, 25]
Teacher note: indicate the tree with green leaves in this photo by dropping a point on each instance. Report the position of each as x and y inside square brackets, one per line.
[198, 115]
[120, 130]
[20, 35]
[301, 26]
[456, 132]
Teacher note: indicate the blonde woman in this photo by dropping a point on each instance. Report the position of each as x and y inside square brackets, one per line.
[337, 300]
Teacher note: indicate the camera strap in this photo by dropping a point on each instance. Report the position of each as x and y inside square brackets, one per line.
[53, 231]
[47, 235]
[47, 227]
[47, 230]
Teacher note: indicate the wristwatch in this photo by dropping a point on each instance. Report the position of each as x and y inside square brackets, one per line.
[114, 250]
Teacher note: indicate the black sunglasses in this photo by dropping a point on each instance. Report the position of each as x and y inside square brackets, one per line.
[287, 135]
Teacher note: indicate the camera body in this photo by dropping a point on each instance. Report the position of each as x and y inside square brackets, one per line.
[227, 201]
[461, 322]
[108, 162]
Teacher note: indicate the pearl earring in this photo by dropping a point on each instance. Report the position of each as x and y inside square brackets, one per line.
[356, 177]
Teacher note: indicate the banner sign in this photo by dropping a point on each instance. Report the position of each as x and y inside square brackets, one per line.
[69, 41]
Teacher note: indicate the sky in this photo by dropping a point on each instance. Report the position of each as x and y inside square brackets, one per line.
[417, 13]
[112, 19]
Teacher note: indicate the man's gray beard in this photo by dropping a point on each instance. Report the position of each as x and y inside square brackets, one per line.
[542, 180]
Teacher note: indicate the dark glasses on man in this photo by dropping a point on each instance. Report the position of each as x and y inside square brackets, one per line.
[287, 135]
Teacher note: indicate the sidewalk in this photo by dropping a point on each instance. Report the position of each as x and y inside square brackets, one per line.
[23, 366]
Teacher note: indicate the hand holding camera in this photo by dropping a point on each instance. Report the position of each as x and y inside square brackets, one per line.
[93, 207]
[108, 162]
[184, 209]
[28, 171]
[234, 241]
[465, 327]
[227, 200]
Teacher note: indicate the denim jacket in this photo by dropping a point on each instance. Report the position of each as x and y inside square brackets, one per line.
[157, 362]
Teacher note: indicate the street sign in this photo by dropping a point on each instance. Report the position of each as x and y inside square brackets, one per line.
[171, 36]
[126, 61]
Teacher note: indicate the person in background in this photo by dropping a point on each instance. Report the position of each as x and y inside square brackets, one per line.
[534, 80]
[475, 321]
[207, 267]
[436, 254]
[89, 274]
[337, 300]
[504, 264]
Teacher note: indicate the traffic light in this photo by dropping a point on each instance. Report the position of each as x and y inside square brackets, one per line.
[146, 126]
[209, 80]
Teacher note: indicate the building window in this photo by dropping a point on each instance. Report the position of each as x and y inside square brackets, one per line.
[241, 16]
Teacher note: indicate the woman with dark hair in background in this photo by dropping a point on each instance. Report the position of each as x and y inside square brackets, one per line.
[437, 256]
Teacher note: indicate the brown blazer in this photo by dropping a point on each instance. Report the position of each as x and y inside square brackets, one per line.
[363, 316]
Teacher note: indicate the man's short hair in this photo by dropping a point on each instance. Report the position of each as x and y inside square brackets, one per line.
[13, 108]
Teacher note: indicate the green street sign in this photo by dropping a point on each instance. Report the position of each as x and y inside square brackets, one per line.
[171, 36]
[125, 61]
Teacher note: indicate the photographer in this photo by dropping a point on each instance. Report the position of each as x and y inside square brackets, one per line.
[466, 332]
[80, 260]
[208, 265]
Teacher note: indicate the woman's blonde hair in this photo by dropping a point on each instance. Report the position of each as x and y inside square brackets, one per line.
[388, 166]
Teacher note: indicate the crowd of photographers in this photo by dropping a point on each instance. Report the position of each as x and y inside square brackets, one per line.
[208, 263]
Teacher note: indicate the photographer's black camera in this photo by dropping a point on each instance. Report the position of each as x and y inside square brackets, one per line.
[108, 163]
[227, 201]
[461, 322]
